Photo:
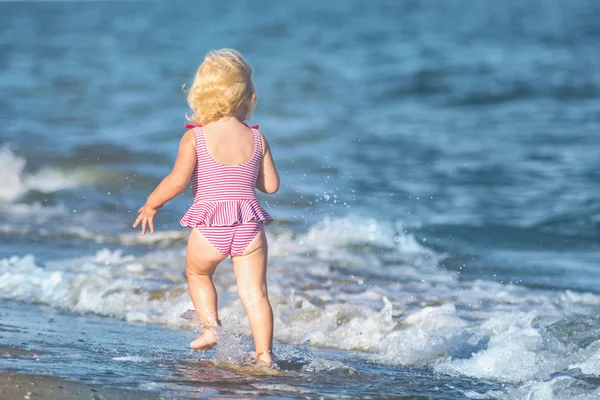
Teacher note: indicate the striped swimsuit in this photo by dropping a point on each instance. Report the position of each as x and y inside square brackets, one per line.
[226, 210]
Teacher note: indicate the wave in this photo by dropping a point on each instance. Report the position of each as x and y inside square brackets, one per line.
[15, 182]
[351, 284]
[454, 85]
[164, 238]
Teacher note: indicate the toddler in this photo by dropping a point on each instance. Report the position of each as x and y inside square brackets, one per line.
[226, 161]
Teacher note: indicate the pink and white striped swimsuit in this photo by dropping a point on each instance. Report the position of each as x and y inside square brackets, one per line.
[226, 209]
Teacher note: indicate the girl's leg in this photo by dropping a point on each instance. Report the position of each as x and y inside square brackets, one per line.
[251, 273]
[202, 259]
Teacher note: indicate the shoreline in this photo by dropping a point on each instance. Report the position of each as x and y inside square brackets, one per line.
[22, 386]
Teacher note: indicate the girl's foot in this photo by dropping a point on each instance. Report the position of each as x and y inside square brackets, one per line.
[265, 359]
[206, 341]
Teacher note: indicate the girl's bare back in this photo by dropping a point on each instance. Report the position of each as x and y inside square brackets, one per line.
[228, 141]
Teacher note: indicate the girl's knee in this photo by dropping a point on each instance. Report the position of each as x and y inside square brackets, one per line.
[250, 296]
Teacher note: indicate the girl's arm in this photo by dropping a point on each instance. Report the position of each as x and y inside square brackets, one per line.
[268, 178]
[172, 185]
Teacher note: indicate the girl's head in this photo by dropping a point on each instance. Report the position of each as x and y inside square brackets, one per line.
[222, 87]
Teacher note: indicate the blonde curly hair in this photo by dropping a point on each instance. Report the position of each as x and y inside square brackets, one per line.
[222, 87]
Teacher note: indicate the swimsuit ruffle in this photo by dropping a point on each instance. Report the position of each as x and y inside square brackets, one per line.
[225, 213]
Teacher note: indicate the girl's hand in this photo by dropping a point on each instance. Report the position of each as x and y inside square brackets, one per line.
[146, 217]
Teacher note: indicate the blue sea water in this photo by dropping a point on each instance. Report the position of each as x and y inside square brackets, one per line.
[438, 221]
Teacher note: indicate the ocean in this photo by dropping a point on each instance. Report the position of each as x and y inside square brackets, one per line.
[437, 230]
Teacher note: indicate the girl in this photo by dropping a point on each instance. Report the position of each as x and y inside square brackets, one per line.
[226, 160]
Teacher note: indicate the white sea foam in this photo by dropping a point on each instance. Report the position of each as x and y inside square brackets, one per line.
[95, 284]
[14, 181]
[127, 239]
[516, 351]
[588, 360]
[40, 214]
[134, 359]
[401, 310]
[558, 388]
[332, 233]
[588, 299]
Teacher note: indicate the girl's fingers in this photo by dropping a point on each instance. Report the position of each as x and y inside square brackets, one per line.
[147, 221]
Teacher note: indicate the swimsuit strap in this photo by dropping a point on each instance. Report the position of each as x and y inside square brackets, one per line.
[200, 142]
[258, 149]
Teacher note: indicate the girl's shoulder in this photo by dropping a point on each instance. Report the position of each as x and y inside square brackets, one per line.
[192, 130]
[189, 138]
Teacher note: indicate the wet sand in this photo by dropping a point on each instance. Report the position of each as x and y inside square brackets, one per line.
[17, 386]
